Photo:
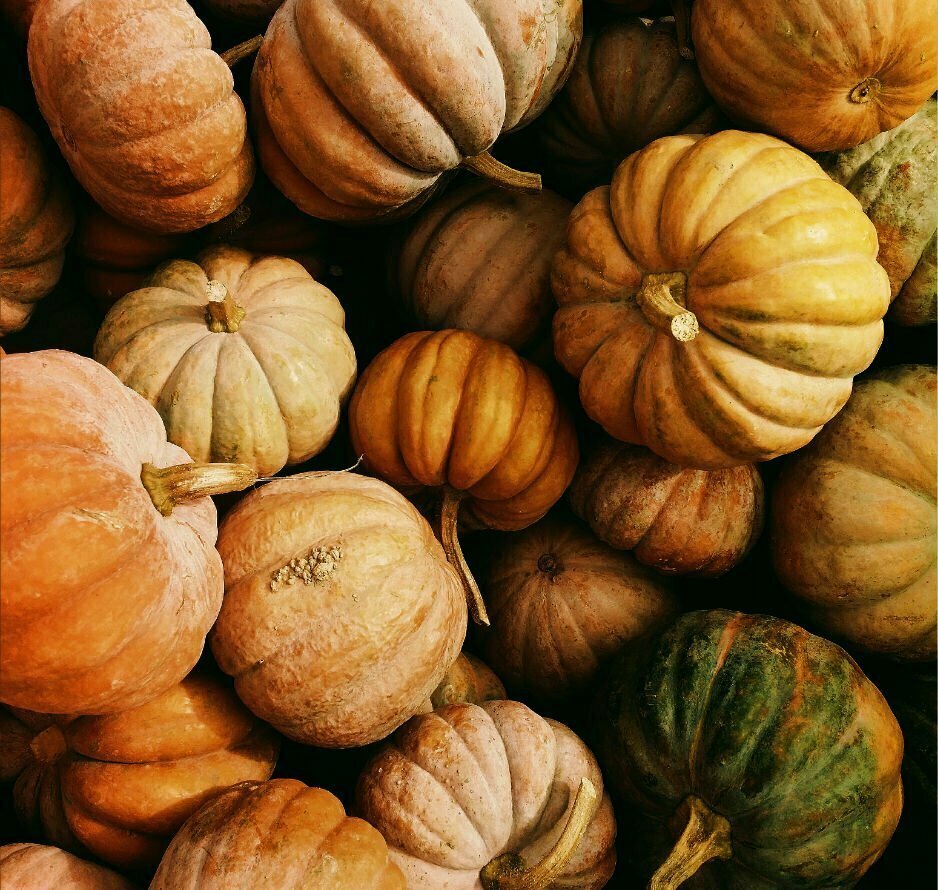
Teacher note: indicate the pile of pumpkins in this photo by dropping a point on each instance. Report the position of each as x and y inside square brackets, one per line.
[597, 281]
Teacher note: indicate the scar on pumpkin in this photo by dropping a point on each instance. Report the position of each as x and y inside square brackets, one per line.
[316, 566]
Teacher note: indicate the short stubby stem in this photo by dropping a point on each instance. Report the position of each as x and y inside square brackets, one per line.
[232, 56]
[449, 537]
[661, 299]
[865, 91]
[222, 314]
[170, 486]
[502, 175]
[550, 565]
[49, 745]
[706, 836]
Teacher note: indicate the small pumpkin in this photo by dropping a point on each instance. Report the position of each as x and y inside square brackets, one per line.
[36, 221]
[479, 259]
[758, 752]
[38, 867]
[280, 834]
[341, 614]
[853, 518]
[248, 12]
[893, 176]
[674, 519]
[395, 94]
[111, 579]
[562, 604]
[120, 786]
[467, 680]
[147, 119]
[717, 299]
[490, 796]
[246, 358]
[821, 74]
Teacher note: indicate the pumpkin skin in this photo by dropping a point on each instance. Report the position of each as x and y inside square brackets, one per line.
[821, 74]
[147, 119]
[264, 386]
[463, 785]
[478, 259]
[853, 518]
[893, 177]
[344, 658]
[677, 520]
[105, 602]
[774, 261]
[773, 728]
[121, 785]
[467, 680]
[38, 867]
[279, 834]
[381, 119]
[36, 221]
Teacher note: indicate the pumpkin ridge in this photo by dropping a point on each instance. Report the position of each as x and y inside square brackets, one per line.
[571, 625]
[883, 474]
[574, 121]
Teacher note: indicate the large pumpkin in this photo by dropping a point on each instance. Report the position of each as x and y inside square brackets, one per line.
[479, 259]
[146, 118]
[278, 834]
[246, 358]
[121, 785]
[893, 176]
[361, 108]
[470, 795]
[562, 604]
[717, 299]
[853, 517]
[341, 614]
[36, 222]
[675, 519]
[821, 74]
[37, 867]
[107, 591]
[759, 752]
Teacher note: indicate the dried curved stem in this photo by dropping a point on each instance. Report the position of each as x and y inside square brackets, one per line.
[171, 486]
[240, 51]
[449, 536]
[501, 174]
[706, 836]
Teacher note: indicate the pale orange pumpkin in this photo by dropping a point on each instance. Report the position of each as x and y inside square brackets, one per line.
[38, 867]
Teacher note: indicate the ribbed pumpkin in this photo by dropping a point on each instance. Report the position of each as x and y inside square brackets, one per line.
[246, 358]
[821, 74]
[147, 118]
[893, 176]
[467, 680]
[717, 299]
[759, 752]
[249, 12]
[677, 520]
[37, 867]
[629, 86]
[470, 795]
[361, 106]
[107, 591]
[341, 615]
[479, 259]
[278, 834]
[121, 785]
[853, 517]
[562, 604]
[36, 222]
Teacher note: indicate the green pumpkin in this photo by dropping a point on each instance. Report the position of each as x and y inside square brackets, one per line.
[758, 753]
[893, 177]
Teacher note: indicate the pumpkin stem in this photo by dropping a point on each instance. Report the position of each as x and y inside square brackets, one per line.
[170, 486]
[661, 298]
[681, 10]
[508, 872]
[502, 175]
[232, 56]
[49, 745]
[223, 314]
[865, 91]
[449, 535]
[706, 836]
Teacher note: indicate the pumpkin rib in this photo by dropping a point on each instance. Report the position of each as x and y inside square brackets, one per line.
[905, 486]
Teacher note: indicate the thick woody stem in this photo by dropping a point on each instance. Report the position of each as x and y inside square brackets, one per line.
[449, 535]
[222, 314]
[232, 56]
[170, 486]
[502, 175]
[661, 298]
[706, 836]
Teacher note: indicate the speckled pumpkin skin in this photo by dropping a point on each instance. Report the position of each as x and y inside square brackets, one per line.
[774, 728]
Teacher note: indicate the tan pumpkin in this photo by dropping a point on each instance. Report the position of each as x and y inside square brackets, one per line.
[246, 358]
[853, 518]
[360, 107]
[279, 834]
[467, 680]
[821, 74]
[341, 615]
[717, 299]
[674, 519]
[37, 867]
[142, 109]
[470, 795]
[110, 576]
[36, 221]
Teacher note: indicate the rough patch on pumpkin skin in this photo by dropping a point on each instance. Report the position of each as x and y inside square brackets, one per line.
[316, 566]
[108, 519]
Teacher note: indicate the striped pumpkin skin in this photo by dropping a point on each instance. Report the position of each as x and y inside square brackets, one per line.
[773, 728]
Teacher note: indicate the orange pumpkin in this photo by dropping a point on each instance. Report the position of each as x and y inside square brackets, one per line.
[37, 867]
[107, 591]
[278, 834]
[147, 118]
[467, 680]
[717, 299]
[36, 222]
